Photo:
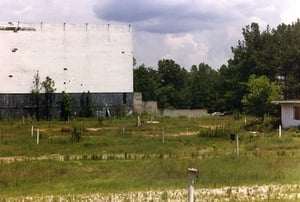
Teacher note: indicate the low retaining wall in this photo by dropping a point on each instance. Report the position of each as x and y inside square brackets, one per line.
[184, 112]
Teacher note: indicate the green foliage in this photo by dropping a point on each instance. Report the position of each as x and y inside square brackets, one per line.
[145, 81]
[65, 106]
[261, 92]
[42, 110]
[203, 82]
[263, 124]
[236, 115]
[48, 86]
[77, 132]
[218, 132]
[86, 109]
[172, 86]
[35, 96]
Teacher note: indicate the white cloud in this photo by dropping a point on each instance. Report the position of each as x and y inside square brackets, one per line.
[52, 11]
[291, 11]
[185, 48]
[189, 31]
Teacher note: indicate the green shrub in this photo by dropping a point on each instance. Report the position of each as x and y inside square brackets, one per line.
[218, 132]
[76, 133]
[265, 124]
[237, 115]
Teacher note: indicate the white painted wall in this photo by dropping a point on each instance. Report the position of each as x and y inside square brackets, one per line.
[98, 58]
[287, 116]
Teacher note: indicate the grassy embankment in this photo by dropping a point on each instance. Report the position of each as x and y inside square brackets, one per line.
[118, 156]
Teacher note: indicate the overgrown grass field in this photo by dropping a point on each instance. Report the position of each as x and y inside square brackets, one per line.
[114, 155]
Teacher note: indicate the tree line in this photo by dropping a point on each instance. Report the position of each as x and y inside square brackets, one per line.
[265, 66]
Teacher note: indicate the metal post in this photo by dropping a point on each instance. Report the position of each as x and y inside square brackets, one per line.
[192, 174]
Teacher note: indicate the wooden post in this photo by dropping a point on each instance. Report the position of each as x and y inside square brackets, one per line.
[38, 136]
[139, 121]
[279, 130]
[163, 135]
[237, 144]
[31, 130]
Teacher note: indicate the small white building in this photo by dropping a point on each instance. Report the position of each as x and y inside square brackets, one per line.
[290, 113]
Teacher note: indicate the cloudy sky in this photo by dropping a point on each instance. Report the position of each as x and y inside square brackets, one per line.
[187, 31]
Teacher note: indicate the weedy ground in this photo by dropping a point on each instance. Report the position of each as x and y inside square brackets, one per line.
[89, 156]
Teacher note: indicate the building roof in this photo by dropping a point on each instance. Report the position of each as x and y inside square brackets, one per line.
[286, 101]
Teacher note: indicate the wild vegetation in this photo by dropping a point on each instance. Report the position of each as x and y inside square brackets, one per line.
[85, 157]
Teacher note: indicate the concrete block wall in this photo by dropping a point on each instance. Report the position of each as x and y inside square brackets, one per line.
[184, 112]
[20, 105]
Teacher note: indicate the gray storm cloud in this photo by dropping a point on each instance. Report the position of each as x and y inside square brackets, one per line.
[159, 17]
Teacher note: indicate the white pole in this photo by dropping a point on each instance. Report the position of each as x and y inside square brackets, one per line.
[237, 144]
[37, 136]
[192, 174]
[163, 135]
[191, 189]
[31, 130]
[279, 131]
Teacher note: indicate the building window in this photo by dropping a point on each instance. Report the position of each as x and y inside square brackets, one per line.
[297, 113]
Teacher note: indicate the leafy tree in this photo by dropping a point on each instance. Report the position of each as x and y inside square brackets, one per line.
[260, 93]
[35, 95]
[271, 53]
[203, 86]
[65, 106]
[86, 105]
[170, 73]
[146, 81]
[172, 85]
[49, 89]
[287, 45]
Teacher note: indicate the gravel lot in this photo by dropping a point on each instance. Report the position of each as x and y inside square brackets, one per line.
[242, 193]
